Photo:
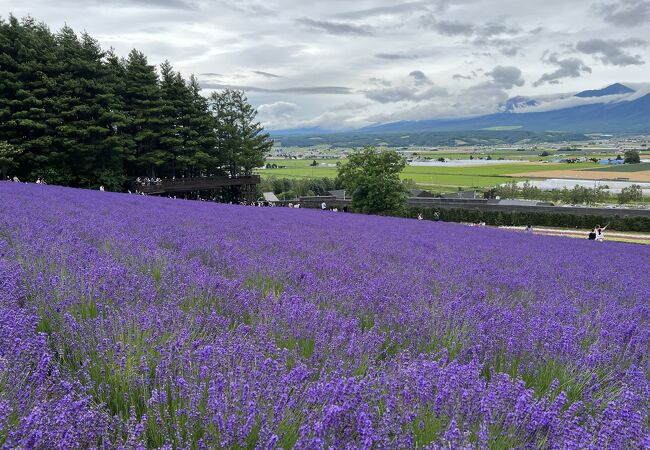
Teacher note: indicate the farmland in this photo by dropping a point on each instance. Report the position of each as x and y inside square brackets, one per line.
[625, 168]
[139, 322]
[478, 176]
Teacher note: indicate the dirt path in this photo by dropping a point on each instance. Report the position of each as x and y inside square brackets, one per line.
[617, 236]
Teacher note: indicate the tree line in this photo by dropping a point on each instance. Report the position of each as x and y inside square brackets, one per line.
[72, 113]
[579, 195]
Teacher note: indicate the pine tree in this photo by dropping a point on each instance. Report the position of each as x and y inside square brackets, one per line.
[143, 108]
[202, 155]
[239, 137]
[83, 103]
[118, 147]
[28, 53]
[174, 111]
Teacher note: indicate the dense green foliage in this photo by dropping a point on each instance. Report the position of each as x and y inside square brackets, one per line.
[579, 195]
[632, 193]
[372, 178]
[8, 155]
[632, 157]
[520, 218]
[75, 114]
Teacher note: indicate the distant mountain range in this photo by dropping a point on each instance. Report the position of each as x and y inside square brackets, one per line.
[613, 89]
[614, 109]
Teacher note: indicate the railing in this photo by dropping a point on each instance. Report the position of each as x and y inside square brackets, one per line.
[192, 184]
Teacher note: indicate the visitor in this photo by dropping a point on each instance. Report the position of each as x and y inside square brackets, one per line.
[529, 229]
[323, 206]
[38, 181]
[101, 188]
[436, 216]
[290, 205]
[420, 216]
[16, 180]
[592, 235]
[600, 236]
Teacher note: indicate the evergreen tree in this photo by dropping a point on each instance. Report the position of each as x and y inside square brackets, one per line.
[239, 137]
[85, 104]
[203, 155]
[28, 52]
[84, 117]
[117, 150]
[143, 108]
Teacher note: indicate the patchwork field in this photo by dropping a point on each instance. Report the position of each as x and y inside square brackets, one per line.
[139, 322]
[641, 167]
[603, 175]
[452, 176]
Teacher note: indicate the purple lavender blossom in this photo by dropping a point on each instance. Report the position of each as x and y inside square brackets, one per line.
[138, 322]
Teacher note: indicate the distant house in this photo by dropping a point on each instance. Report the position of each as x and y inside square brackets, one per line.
[465, 195]
[518, 202]
[339, 194]
[270, 197]
[420, 193]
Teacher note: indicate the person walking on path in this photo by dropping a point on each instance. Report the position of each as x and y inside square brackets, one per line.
[323, 206]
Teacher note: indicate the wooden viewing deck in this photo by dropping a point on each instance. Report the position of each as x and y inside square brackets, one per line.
[183, 185]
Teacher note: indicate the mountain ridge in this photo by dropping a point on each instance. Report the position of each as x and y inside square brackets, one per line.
[620, 116]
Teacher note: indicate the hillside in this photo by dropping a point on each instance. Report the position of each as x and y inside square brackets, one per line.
[138, 322]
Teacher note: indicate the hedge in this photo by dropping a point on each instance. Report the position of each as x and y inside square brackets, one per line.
[519, 218]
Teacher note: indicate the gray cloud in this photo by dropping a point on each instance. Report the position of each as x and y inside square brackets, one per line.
[495, 29]
[419, 77]
[393, 10]
[454, 28]
[566, 68]
[167, 4]
[625, 12]
[506, 77]
[336, 27]
[335, 90]
[417, 87]
[394, 94]
[612, 51]
[266, 74]
[459, 76]
[396, 56]
[447, 27]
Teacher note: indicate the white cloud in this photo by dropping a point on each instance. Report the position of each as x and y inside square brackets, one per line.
[339, 63]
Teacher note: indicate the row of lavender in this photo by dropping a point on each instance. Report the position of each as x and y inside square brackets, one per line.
[128, 321]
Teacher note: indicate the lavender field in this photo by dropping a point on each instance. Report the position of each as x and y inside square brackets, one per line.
[138, 322]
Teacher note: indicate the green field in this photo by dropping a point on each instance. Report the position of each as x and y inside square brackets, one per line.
[435, 176]
[624, 168]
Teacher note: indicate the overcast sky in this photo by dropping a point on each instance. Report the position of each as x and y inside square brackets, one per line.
[344, 64]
